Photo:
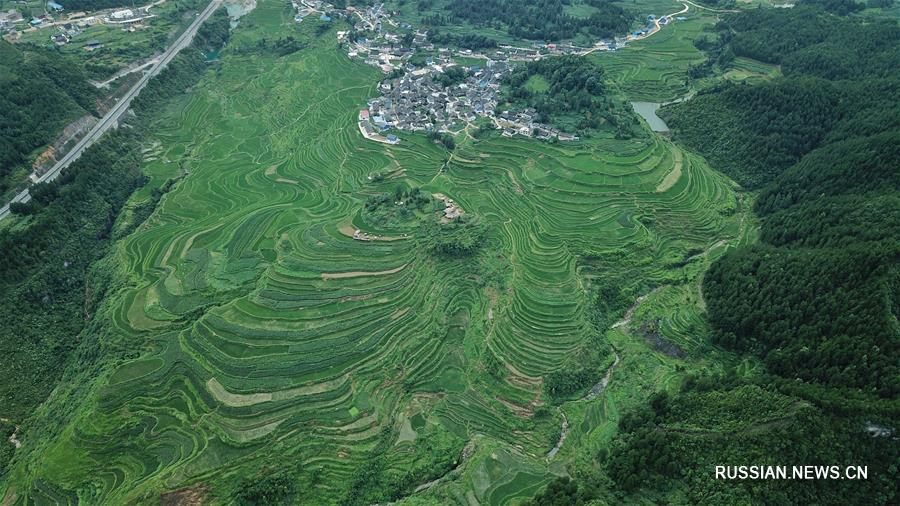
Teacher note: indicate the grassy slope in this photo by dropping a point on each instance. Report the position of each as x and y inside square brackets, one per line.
[238, 356]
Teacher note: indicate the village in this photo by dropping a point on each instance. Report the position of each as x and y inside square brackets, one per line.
[421, 96]
[63, 26]
[425, 100]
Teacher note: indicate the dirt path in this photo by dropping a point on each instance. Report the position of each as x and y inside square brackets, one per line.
[724, 11]
[128, 70]
[674, 175]
[14, 439]
[359, 274]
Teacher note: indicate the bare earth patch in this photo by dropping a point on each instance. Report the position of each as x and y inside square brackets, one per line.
[188, 496]
[673, 176]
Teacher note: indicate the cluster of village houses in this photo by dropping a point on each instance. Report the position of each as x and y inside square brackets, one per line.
[417, 100]
[64, 26]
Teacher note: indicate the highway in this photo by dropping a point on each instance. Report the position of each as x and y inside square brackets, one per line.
[112, 117]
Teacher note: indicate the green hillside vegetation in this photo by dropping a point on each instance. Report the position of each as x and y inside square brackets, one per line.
[666, 451]
[815, 299]
[281, 313]
[402, 206]
[51, 274]
[839, 7]
[753, 133]
[248, 348]
[654, 69]
[570, 93]
[545, 20]
[40, 92]
[118, 49]
[663, 446]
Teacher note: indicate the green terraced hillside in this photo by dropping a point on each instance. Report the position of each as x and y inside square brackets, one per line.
[252, 336]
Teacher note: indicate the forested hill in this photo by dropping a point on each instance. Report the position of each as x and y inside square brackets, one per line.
[545, 20]
[40, 92]
[817, 299]
[841, 80]
[570, 93]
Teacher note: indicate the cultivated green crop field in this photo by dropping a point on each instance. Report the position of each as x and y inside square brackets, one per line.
[256, 333]
[653, 69]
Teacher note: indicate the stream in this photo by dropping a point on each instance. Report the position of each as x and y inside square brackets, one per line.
[601, 385]
[563, 432]
[467, 452]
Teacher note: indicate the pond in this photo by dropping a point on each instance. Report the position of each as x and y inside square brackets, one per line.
[647, 110]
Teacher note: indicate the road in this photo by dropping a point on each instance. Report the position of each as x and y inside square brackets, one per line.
[709, 8]
[125, 72]
[112, 117]
[656, 28]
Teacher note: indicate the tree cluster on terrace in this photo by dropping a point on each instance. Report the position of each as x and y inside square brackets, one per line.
[575, 87]
[537, 20]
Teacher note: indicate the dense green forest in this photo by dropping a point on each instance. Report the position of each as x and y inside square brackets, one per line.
[571, 95]
[468, 40]
[48, 275]
[816, 299]
[666, 451]
[40, 92]
[840, 81]
[538, 20]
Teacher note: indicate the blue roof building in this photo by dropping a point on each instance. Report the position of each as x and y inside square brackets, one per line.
[325, 17]
[55, 6]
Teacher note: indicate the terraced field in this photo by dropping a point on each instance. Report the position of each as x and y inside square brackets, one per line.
[254, 332]
[653, 69]
[752, 71]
